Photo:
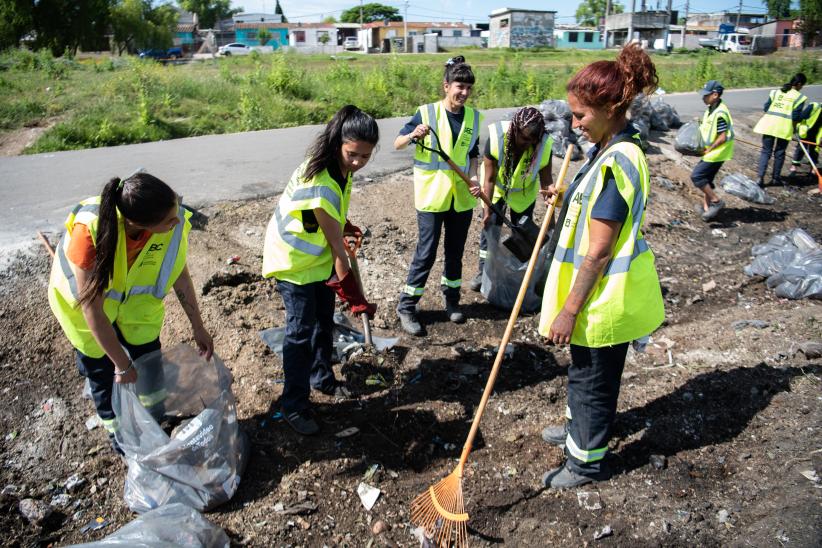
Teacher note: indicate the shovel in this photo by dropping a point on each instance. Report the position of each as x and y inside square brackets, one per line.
[352, 249]
[523, 235]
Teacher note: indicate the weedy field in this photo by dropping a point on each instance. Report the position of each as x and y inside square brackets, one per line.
[49, 104]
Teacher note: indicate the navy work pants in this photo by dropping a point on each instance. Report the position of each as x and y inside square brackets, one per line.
[777, 147]
[309, 325]
[497, 221]
[593, 389]
[430, 226]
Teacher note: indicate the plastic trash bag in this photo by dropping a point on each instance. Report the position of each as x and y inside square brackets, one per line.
[201, 462]
[346, 338]
[663, 116]
[555, 109]
[745, 188]
[168, 526]
[792, 261]
[689, 140]
[503, 275]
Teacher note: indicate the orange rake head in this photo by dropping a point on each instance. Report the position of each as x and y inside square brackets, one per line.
[440, 511]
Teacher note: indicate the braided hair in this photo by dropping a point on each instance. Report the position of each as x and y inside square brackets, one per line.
[526, 120]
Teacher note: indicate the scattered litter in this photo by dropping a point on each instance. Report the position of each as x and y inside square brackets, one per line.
[424, 540]
[719, 233]
[378, 527]
[745, 188]
[723, 516]
[60, 501]
[48, 405]
[304, 525]
[709, 286]
[234, 259]
[590, 500]
[368, 495]
[170, 525]
[11, 435]
[792, 261]
[279, 507]
[659, 462]
[814, 477]
[666, 183]
[689, 140]
[503, 274]
[348, 432]
[742, 324]
[664, 116]
[35, 511]
[376, 380]
[370, 472]
[74, 482]
[509, 472]
[302, 508]
[94, 525]
[811, 350]
[93, 422]
[604, 532]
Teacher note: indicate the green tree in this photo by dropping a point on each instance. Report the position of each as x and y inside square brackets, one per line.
[138, 24]
[589, 12]
[209, 11]
[778, 9]
[330, 19]
[279, 11]
[264, 35]
[810, 11]
[65, 25]
[370, 13]
[16, 20]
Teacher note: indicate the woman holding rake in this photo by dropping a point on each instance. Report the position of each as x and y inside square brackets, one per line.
[602, 290]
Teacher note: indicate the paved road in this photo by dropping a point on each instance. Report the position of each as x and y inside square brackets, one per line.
[38, 190]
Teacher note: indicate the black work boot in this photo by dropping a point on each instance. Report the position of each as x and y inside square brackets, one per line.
[302, 422]
[555, 435]
[454, 313]
[410, 324]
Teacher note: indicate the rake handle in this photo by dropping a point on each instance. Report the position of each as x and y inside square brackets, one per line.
[512, 320]
[355, 270]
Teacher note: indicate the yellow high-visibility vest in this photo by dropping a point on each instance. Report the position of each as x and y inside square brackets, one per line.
[435, 184]
[805, 125]
[778, 121]
[521, 191]
[133, 298]
[707, 128]
[626, 304]
[292, 252]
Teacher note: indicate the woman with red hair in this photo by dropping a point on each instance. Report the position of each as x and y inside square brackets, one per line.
[602, 290]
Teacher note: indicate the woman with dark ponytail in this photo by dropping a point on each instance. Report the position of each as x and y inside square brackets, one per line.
[305, 252]
[515, 166]
[441, 197]
[784, 108]
[602, 290]
[121, 253]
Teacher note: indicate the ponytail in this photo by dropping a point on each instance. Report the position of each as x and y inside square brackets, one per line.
[456, 70]
[140, 198]
[348, 124]
[799, 79]
[526, 119]
[613, 85]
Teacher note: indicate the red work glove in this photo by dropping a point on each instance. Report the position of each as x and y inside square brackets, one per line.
[351, 229]
[349, 292]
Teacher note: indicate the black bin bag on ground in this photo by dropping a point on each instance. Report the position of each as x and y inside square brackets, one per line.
[200, 463]
[503, 275]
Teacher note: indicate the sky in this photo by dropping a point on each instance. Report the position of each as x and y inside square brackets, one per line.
[472, 11]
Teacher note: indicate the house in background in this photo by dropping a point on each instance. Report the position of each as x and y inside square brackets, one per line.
[257, 18]
[779, 33]
[313, 37]
[520, 28]
[577, 38]
[645, 26]
[389, 36]
[248, 34]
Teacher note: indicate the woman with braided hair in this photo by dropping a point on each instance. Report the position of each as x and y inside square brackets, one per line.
[602, 290]
[517, 154]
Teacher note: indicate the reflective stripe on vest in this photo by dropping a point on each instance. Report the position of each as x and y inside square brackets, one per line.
[437, 187]
[293, 240]
[778, 120]
[708, 129]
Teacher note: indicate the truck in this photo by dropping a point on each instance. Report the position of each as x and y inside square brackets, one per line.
[728, 40]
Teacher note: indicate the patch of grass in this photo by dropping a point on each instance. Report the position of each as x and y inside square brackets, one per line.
[123, 100]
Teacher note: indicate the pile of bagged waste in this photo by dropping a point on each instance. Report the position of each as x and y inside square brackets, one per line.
[503, 275]
[647, 114]
[557, 115]
[792, 262]
[745, 188]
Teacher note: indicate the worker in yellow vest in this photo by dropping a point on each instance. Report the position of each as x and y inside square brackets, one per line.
[305, 252]
[602, 290]
[717, 131]
[121, 253]
[809, 130]
[783, 110]
[515, 166]
[441, 197]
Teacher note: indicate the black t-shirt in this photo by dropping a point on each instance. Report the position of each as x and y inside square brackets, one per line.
[454, 120]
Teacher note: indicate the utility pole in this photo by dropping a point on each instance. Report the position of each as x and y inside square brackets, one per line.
[360, 13]
[631, 24]
[405, 28]
[668, 26]
[605, 24]
[738, 15]
[685, 25]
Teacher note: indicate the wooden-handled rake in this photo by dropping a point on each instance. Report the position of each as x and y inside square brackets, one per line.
[440, 510]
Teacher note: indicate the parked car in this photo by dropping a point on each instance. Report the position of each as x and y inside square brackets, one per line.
[351, 42]
[161, 54]
[234, 49]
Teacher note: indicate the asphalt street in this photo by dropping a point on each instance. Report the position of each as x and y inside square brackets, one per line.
[38, 190]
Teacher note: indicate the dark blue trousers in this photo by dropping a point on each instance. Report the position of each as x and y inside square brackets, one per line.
[496, 220]
[100, 372]
[307, 348]
[777, 147]
[430, 227]
[593, 389]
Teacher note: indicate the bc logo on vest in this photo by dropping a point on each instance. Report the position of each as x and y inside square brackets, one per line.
[150, 257]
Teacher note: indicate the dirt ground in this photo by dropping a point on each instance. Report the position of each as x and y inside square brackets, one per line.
[731, 416]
